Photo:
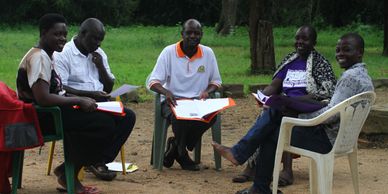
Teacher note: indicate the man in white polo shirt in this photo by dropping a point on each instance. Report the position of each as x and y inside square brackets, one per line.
[84, 70]
[186, 69]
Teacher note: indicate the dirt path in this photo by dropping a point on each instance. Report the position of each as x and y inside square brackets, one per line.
[373, 164]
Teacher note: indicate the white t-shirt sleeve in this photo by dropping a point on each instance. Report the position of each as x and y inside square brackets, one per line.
[62, 66]
[39, 67]
[215, 77]
[160, 72]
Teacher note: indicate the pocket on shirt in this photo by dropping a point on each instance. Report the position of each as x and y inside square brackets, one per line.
[77, 75]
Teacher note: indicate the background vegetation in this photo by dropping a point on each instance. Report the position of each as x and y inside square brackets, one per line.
[171, 12]
[132, 51]
[137, 30]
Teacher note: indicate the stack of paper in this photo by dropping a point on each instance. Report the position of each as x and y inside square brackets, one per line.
[118, 167]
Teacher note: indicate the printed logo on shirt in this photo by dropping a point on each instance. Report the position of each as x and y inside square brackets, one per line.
[201, 69]
[295, 78]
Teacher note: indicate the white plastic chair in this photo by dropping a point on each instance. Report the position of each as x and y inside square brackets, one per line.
[353, 113]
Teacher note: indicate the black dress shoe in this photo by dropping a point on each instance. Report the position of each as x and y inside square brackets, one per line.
[186, 163]
[101, 171]
[171, 153]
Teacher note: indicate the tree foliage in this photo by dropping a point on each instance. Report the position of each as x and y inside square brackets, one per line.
[171, 12]
[113, 12]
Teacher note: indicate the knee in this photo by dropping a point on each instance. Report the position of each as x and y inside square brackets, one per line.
[130, 116]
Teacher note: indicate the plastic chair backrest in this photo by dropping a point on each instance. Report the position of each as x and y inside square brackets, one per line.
[353, 113]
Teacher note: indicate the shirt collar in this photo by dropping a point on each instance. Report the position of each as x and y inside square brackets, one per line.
[180, 53]
[357, 65]
[74, 48]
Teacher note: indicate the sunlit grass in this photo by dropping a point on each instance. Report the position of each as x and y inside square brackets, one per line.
[132, 51]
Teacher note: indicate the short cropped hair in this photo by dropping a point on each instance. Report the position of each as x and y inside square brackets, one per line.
[191, 21]
[48, 20]
[358, 38]
[312, 31]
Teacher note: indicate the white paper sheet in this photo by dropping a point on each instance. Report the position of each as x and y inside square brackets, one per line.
[122, 90]
[117, 166]
[260, 96]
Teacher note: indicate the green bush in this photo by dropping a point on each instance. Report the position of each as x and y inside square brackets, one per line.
[112, 12]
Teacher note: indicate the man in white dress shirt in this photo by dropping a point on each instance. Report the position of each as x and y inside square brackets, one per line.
[84, 70]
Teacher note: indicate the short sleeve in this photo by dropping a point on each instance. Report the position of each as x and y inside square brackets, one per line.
[215, 77]
[39, 67]
[61, 66]
[159, 74]
[281, 74]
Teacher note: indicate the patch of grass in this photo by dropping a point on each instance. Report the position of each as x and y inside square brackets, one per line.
[133, 50]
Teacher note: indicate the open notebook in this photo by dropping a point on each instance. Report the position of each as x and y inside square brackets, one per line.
[282, 103]
[114, 107]
[201, 110]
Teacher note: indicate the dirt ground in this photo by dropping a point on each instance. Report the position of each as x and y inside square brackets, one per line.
[373, 163]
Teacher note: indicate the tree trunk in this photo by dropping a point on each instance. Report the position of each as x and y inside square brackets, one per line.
[265, 48]
[310, 7]
[385, 51]
[228, 17]
[253, 27]
[261, 38]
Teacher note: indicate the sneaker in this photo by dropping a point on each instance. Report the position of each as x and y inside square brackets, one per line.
[101, 171]
[171, 153]
[186, 162]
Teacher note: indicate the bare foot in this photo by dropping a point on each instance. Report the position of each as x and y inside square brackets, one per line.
[79, 188]
[225, 152]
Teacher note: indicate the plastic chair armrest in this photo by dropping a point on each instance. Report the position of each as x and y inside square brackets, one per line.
[57, 116]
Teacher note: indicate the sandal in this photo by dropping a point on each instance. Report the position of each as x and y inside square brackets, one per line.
[242, 178]
[86, 190]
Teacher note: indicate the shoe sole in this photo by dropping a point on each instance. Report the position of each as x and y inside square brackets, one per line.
[169, 142]
[101, 176]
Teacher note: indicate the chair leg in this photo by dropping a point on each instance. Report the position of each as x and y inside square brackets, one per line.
[21, 170]
[353, 162]
[216, 136]
[325, 166]
[122, 154]
[313, 177]
[50, 158]
[152, 150]
[160, 136]
[17, 165]
[69, 171]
